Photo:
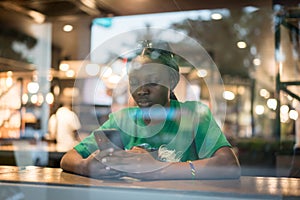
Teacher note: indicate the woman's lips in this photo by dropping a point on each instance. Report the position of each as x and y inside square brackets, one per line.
[144, 103]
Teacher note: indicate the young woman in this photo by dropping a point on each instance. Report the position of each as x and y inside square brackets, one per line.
[163, 138]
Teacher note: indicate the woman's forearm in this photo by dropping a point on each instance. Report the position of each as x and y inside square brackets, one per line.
[73, 162]
[223, 165]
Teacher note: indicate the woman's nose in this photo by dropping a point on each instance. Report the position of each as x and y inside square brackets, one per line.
[143, 90]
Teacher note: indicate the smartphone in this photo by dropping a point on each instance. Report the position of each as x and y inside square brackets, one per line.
[109, 138]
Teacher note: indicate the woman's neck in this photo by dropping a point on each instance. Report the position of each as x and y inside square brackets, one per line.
[156, 114]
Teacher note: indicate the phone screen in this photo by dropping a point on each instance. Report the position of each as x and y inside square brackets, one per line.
[110, 138]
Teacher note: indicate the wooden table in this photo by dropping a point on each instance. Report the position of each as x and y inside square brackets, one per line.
[53, 183]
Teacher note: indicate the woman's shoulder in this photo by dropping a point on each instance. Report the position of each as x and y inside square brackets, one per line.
[192, 104]
[124, 111]
[196, 107]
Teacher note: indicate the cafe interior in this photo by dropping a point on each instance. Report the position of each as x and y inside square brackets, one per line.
[55, 52]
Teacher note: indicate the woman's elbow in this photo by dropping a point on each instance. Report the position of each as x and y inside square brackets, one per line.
[229, 164]
[234, 171]
[69, 161]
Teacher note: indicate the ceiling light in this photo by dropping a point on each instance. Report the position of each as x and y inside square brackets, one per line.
[9, 82]
[228, 95]
[256, 61]
[33, 87]
[70, 73]
[264, 93]
[9, 73]
[241, 44]
[202, 73]
[34, 99]
[284, 109]
[25, 98]
[38, 17]
[272, 103]
[50, 98]
[68, 28]
[64, 67]
[216, 16]
[56, 90]
[293, 114]
[250, 9]
[259, 109]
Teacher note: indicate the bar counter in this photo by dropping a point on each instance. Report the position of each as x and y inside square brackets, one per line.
[28, 152]
[33, 182]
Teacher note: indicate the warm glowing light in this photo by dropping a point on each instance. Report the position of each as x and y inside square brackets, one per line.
[68, 28]
[272, 104]
[259, 109]
[64, 67]
[33, 87]
[56, 90]
[9, 81]
[216, 16]
[34, 99]
[241, 44]
[284, 109]
[256, 61]
[9, 73]
[228, 95]
[293, 114]
[202, 73]
[25, 98]
[264, 93]
[38, 17]
[49, 98]
[295, 103]
[70, 73]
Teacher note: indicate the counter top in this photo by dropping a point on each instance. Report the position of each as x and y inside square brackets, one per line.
[42, 178]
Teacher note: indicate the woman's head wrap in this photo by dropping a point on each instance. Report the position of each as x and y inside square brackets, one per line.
[161, 56]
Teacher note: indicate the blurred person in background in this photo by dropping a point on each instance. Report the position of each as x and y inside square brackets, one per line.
[63, 127]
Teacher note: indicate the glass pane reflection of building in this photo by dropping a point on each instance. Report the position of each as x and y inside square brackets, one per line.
[240, 42]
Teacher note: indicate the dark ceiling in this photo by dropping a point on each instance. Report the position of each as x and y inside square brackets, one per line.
[17, 14]
[98, 8]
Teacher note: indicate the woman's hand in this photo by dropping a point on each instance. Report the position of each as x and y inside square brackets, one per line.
[134, 161]
[95, 168]
[90, 166]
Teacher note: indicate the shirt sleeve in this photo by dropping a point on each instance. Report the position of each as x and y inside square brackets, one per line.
[75, 123]
[209, 137]
[88, 145]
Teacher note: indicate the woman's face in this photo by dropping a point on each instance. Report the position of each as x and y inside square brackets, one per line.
[149, 84]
